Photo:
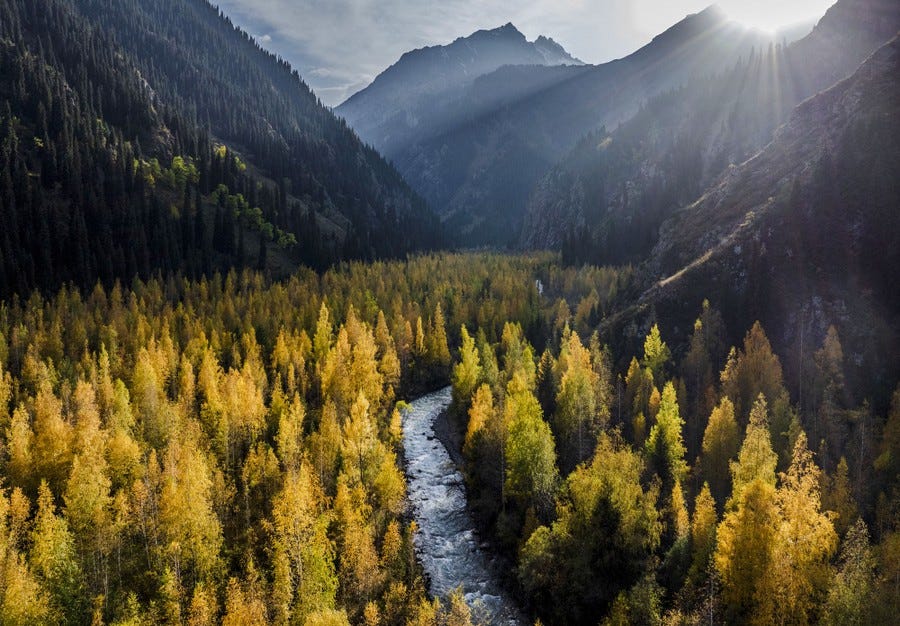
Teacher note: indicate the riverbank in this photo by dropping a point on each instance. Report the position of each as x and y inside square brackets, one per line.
[452, 435]
[446, 542]
[447, 432]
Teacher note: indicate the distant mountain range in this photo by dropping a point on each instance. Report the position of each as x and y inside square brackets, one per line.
[476, 149]
[484, 150]
[420, 90]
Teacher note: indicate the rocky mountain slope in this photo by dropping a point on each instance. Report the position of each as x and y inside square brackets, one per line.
[605, 200]
[804, 235]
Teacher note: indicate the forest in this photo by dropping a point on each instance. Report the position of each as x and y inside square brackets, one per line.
[114, 163]
[227, 450]
[676, 493]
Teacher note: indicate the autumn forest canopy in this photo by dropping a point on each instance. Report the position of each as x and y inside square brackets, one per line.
[228, 449]
[670, 382]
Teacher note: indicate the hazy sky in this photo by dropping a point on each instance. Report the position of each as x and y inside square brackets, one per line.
[339, 46]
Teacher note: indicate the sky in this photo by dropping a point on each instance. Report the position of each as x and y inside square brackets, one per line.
[339, 46]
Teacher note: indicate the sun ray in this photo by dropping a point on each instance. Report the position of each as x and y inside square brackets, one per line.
[772, 15]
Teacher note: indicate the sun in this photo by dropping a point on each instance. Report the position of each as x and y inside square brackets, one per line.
[771, 15]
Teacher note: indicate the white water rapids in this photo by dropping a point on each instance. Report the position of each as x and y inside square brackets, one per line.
[446, 543]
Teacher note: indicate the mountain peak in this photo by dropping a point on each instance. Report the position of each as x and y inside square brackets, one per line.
[713, 13]
[554, 53]
[507, 31]
[443, 68]
[710, 19]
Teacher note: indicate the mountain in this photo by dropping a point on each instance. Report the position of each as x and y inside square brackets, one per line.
[804, 235]
[605, 200]
[478, 163]
[421, 88]
[146, 137]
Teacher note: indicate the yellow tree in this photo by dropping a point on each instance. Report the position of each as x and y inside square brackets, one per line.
[307, 580]
[368, 462]
[703, 534]
[54, 559]
[576, 420]
[323, 335]
[531, 473]
[89, 511]
[679, 521]
[437, 350]
[837, 496]
[123, 452]
[388, 360]
[87, 495]
[204, 607]
[720, 445]
[150, 400]
[290, 433]
[665, 446]
[350, 368]
[324, 446]
[244, 416]
[20, 450]
[756, 459]
[746, 541]
[359, 572]
[638, 388]
[518, 356]
[656, 354]
[245, 604]
[191, 531]
[466, 373]
[851, 594]
[481, 413]
[53, 439]
[485, 452]
[805, 542]
[747, 535]
[753, 371]
[23, 600]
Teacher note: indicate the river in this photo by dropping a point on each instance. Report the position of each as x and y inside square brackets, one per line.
[446, 542]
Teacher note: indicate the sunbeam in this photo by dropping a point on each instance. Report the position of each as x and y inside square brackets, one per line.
[771, 15]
